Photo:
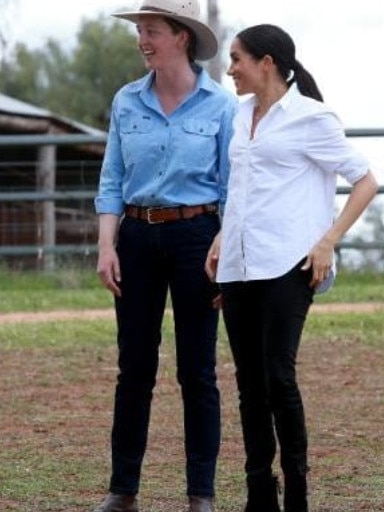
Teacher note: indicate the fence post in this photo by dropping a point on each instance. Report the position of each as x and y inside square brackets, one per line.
[46, 182]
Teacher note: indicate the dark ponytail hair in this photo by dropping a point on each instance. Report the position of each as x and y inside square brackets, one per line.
[265, 39]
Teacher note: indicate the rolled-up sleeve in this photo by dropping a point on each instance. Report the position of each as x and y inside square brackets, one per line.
[224, 138]
[109, 198]
[328, 146]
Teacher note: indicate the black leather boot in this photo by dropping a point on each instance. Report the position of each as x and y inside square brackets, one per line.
[296, 487]
[296, 492]
[262, 494]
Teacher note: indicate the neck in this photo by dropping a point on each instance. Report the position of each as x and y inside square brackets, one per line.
[172, 87]
[176, 81]
[269, 96]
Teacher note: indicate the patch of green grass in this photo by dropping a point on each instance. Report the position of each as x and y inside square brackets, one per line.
[367, 328]
[358, 286]
[35, 473]
[71, 277]
[57, 334]
[52, 299]
[74, 288]
[70, 288]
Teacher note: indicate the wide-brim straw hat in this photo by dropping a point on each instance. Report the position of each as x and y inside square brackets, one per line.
[186, 12]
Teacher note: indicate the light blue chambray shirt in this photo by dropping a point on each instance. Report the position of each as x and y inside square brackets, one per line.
[152, 159]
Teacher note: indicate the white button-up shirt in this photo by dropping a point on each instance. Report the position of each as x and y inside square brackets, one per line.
[282, 185]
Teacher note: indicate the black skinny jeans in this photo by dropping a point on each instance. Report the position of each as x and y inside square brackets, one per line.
[264, 320]
[155, 259]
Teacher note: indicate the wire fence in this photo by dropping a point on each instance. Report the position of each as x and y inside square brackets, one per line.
[47, 215]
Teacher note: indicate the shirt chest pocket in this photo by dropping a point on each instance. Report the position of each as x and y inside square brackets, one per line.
[199, 137]
[200, 127]
[136, 133]
[134, 124]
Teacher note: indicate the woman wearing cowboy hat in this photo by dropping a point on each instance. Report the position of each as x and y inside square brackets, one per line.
[162, 186]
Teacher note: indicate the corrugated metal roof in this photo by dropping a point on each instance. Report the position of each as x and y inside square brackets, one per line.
[14, 106]
[17, 107]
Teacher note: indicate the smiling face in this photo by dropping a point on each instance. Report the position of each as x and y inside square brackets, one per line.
[248, 73]
[159, 44]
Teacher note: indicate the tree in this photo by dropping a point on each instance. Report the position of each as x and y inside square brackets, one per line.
[21, 76]
[106, 57]
[3, 26]
[77, 83]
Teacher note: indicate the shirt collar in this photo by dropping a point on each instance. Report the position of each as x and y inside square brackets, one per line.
[284, 102]
[144, 84]
[292, 93]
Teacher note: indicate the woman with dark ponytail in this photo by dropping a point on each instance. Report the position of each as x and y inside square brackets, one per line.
[277, 247]
[271, 40]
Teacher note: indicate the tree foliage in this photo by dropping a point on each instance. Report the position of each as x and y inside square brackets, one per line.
[79, 82]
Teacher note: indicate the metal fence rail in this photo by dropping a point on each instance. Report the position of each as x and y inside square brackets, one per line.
[86, 195]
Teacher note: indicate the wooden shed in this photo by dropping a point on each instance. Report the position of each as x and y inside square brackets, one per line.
[32, 161]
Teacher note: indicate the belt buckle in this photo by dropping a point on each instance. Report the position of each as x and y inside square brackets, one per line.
[149, 215]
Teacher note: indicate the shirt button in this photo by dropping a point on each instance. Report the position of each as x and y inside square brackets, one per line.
[162, 148]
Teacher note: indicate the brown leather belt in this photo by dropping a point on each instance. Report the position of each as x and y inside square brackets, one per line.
[156, 215]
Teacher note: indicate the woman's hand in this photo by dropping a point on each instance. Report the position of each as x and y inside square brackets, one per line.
[213, 258]
[217, 302]
[211, 268]
[108, 266]
[320, 260]
[108, 269]
[320, 257]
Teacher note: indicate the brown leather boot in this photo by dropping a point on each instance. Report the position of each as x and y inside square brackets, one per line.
[200, 504]
[118, 503]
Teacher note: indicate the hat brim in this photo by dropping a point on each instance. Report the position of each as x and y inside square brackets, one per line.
[206, 41]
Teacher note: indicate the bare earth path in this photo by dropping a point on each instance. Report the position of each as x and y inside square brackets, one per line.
[90, 314]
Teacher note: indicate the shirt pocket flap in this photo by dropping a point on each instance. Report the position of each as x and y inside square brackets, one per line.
[135, 123]
[201, 127]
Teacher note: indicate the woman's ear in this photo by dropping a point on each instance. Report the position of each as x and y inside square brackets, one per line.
[268, 61]
[185, 38]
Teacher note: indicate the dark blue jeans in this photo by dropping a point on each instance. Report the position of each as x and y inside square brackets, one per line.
[156, 259]
[264, 320]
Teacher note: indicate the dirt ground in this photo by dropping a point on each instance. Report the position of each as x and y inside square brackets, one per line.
[342, 386]
[48, 316]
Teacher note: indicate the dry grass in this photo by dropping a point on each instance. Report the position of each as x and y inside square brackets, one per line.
[56, 404]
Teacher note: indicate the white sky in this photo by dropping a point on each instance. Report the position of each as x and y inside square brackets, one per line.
[339, 42]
